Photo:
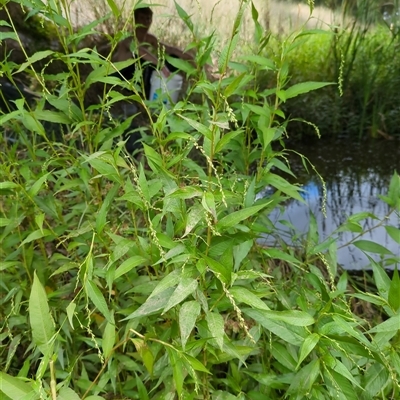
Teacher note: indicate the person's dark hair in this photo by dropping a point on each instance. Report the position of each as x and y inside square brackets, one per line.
[143, 11]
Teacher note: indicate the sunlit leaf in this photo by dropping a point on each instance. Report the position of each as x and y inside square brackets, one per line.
[109, 336]
[114, 8]
[390, 325]
[292, 317]
[177, 369]
[282, 355]
[16, 389]
[35, 235]
[304, 87]
[185, 288]
[338, 382]
[234, 218]
[305, 378]
[42, 323]
[196, 364]
[372, 247]
[215, 324]
[279, 328]
[393, 232]
[382, 281]
[70, 313]
[187, 319]
[375, 379]
[128, 265]
[67, 393]
[307, 347]
[243, 295]
[153, 304]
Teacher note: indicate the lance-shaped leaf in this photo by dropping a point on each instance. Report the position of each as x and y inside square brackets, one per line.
[187, 319]
[185, 287]
[15, 389]
[40, 318]
[98, 300]
[234, 218]
[215, 324]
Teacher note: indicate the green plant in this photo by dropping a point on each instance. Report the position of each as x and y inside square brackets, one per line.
[144, 279]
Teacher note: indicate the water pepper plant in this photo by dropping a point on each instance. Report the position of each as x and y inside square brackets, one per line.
[142, 277]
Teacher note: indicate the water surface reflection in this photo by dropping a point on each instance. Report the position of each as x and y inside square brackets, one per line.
[355, 177]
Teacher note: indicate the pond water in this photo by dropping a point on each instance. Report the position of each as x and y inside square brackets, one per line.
[355, 175]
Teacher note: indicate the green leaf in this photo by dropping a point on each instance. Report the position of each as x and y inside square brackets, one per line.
[375, 379]
[6, 187]
[234, 218]
[153, 304]
[70, 313]
[390, 325]
[35, 188]
[114, 8]
[226, 53]
[98, 300]
[304, 87]
[291, 317]
[393, 232]
[35, 235]
[307, 347]
[281, 255]
[347, 327]
[393, 196]
[108, 341]
[40, 318]
[198, 127]
[196, 364]
[15, 389]
[67, 393]
[282, 355]
[177, 369]
[141, 389]
[55, 117]
[40, 55]
[147, 357]
[185, 288]
[101, 219]
[222, 272]
[236, 82]
[370, 298]
[183, 15]
[243, 295]
[129, 264]
[264, 62]
[208, 203]
[372, 247]
[287, 333]
[382, 281]
[394, 291]
[284, 186]
[215, 324]
[194, 216]
[341, 369]
[340, 383]
[303, 381]
[187, 319]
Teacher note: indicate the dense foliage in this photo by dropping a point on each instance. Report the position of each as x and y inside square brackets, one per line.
[142, 277]
[362, 55]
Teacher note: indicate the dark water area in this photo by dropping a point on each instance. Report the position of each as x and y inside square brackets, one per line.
[355, 175]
